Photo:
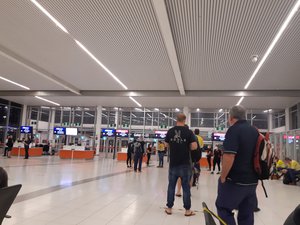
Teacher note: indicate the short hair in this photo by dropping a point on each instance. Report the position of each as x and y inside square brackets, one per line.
[287, 159]
[238, 112]
[181, 117]
[3, 178]
[197, 131]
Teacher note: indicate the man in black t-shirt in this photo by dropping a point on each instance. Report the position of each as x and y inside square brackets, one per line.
[181, 141]
[238, 181]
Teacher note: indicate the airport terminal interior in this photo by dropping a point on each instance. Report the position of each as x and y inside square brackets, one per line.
[80, 80]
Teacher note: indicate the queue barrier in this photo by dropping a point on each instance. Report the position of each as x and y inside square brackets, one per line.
[32, 151]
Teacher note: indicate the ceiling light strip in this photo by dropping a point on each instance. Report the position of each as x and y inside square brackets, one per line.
[240, 101]
[12, 82]
[50, 16]
[99, 63]
[135, 101]
[46, 100]
[278, 35]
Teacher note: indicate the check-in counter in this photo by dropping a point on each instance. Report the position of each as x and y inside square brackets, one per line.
[121, 156]
[16, 151]
[76, 152]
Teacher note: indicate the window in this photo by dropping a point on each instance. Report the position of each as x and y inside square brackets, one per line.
[66, 116]
[34, 113]
[3, 115]
[260, 120]
[104, 119]
[14, 117]
[294, 117]
[45, 114]
[89, 117]
[57, 116]
[278, 119]
[77, 117]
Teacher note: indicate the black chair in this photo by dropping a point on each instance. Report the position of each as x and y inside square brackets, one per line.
[294, 217]
[7, 197]
[209, 216]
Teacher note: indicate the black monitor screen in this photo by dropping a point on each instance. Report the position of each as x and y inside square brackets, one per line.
[59, 130]
[26, 129]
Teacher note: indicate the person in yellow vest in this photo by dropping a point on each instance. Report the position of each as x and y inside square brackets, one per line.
[161, 153]
[280, 165]
[293, 169]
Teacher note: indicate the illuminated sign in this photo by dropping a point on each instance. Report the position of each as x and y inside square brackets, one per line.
[59, 130]
[122, 133]
[26, 129]
[161, 134]
[108, 133]
[218, 136]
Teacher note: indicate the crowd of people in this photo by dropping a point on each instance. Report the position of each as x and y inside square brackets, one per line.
[10, 143]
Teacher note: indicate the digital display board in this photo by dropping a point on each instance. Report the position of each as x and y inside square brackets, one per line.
[122, 133]
[108, 133]
[161, 134]
[26, 130]
[59, 130]
[218, 136]
[71, 131]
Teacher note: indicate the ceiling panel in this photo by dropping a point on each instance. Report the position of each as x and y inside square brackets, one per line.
[29, 33]
[269, 102]
[282, 68]
[215, 39]
[123, 35]
[22, 75]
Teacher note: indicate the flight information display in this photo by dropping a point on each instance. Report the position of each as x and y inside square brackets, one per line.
[218, 136]
[59, 130]
[122, 133]
[161, 134]
[26, 130]
[108, 132]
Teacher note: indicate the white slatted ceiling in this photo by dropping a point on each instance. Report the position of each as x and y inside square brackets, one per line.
[123, 35]
[215, 39]
[282, 69]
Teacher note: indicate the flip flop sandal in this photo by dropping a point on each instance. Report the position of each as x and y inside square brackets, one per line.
[178, 195]
[167, 212]
[192, 213]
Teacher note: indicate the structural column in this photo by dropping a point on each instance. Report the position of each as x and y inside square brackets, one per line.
[24, 116]
[287, 119]
[187, 112]
[270, 121]
[51, 124]
[98, 128]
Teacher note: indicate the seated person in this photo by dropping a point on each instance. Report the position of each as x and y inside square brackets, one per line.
[292, 171]
[280, 165]
[3, 182]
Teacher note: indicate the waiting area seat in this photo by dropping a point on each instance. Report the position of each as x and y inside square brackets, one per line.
[7, 197]
[209, 216]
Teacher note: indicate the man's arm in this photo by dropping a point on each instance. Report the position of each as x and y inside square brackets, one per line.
[193, 146]
[227, 163]
[167, 144]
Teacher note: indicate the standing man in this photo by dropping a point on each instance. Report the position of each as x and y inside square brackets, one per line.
[138, 147]
[26, 146]
[161, 154]
[181, 141]
[238, 181]
[9, 145]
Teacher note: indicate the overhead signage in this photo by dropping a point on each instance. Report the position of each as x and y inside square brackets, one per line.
[108, 133]
[161, 134]
[26, 129]
[59, 130]
[218, 136]
[122, 133]
[71, 131]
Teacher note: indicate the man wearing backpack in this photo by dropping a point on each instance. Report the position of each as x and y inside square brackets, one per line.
[238, 181]
[138, 148]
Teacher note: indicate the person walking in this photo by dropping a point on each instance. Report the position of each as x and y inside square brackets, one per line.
[26, 147]
[238, 181]
[180, 140]
[217, 160]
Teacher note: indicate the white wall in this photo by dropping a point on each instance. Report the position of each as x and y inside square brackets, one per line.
[279, 129]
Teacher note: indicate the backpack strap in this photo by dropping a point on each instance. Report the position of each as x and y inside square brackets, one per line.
[262, 184]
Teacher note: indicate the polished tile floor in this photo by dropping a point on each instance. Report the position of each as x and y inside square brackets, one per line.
[103, 191]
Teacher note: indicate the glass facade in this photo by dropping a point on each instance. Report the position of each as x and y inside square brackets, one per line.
[278, 119]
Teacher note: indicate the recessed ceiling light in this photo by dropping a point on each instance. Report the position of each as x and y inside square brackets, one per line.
[99, 63]
[254, 58]
[278, 35]
[46, 100]
[86, 108]
[177, 110]
[135, 101]
[49, 16]
[156, 109]
[115, 108]
[12, 82]
[241, 99]
[220, 110]
[198, 109]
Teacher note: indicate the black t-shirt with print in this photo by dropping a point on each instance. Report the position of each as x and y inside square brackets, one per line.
[179, 139]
